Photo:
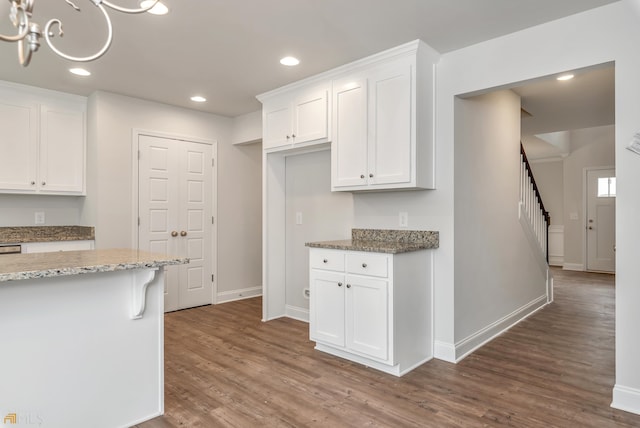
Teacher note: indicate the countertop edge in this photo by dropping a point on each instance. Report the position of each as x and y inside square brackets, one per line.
[372, 246]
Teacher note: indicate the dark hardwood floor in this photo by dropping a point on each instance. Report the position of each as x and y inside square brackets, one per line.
[225, 368]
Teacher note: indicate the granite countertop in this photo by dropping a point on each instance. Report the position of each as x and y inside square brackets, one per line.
[15, 267]
[23, 234]
[383, 241]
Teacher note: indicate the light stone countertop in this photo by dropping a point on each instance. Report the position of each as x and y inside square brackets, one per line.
[14, 267]
[383, 241]
[23, 234]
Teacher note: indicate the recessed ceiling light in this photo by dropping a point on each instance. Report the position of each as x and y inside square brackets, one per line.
[289, 61]
[80, 71]
[198, 99]
[565, 77]
[158, 9]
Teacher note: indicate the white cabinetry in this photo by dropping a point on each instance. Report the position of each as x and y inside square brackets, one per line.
[43, 142]
[372, 308]
[382, 133]
[295, 118]
[54, 246]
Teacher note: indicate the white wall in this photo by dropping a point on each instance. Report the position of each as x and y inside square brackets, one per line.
[591, 147]
[108, 205]
[601, 35]
[247, 128]
[326, 216]
[496, 270]
[19, 210]
[549, 176]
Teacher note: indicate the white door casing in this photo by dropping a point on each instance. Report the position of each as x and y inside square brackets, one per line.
[175, 204]
[600, 220]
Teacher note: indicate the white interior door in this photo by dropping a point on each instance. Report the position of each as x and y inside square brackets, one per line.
[601, 220]
[175, 192]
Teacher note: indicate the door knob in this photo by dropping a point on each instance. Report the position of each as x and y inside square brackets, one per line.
[174, 233]
[183, 233]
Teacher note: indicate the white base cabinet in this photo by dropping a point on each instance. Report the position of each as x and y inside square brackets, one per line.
[372, 308]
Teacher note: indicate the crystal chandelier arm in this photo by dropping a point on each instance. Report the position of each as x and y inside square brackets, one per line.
[123, 9]
[48, 35]
[23, 26]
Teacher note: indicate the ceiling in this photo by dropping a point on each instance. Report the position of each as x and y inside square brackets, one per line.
[228, 51]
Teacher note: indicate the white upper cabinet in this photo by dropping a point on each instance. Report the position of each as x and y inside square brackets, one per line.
[383, 125]
[295, 118]
[43, 142]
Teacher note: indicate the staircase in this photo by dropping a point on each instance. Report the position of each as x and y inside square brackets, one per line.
[533, 216]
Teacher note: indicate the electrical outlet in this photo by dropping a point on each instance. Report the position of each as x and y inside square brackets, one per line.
[306, 293]
[403, 219]
[298, 217]
[39, 217]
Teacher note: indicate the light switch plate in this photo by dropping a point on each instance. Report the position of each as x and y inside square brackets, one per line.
[39, 217]
[298, 217]
[403, 219]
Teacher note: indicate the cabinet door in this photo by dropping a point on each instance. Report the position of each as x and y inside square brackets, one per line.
[277, 124]
[326, 311]
[310, 120]
[55, 246]
[62, 150]
[349, 136]
[18, 144]
[367, 316]
[391, 131]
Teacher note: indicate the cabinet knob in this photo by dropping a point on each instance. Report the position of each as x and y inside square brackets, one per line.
[288, 137]
[348, 285]
[362, 176]
[590, 228]
[339, 284]
[33, 183]
[293, 135]
[174, 233]
[183, 233]
[325, 261]
[44, 183]
[364, 265]
[370, 175]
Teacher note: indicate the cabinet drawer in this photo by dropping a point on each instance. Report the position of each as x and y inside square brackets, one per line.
[326, 259]
[368, 264]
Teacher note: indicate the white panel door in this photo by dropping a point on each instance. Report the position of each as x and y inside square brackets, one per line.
[62, 146]
[601, 220]
[349, 136]
[310, 117]
[390, 127]
[326, 316]
[175, 205]
[18, 144]
[367, 316]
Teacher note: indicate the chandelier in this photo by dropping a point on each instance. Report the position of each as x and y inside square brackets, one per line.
[29, 33]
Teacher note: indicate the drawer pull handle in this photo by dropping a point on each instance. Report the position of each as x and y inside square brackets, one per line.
[364, 265]
[325, 261]
[348, 285]
[339, 284]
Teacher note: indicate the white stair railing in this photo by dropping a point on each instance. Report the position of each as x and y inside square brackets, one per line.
[532, 206]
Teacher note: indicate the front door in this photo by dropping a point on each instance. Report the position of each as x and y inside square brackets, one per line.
[175, 214]
[601, 220]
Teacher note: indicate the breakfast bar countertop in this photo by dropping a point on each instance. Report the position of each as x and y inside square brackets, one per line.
[14, 267]
[383, 241]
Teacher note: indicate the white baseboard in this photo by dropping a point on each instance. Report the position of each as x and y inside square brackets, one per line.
[300, 314]
[573, 266]
[444, 351]
[556, 260]
[478, 339]
[627, 399]
[242, 293]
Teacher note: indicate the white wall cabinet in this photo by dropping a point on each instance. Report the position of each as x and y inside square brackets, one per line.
[54, 246]
[382, 133]
[295, 118]
[372, 308]
[43, 143]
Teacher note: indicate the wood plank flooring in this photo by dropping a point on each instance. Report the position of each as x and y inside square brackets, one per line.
[225, 368]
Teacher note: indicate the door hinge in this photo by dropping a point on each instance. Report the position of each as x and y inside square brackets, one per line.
[213, 162]
[212, 277]
[138, 221]
[213, 221]
[139, 155]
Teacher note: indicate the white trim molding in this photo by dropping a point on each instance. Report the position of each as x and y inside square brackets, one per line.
[469, 344]
[297, 313]
[627, 399]
[444, 351]
[240, 294]
[573, 266]
[556, 245]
